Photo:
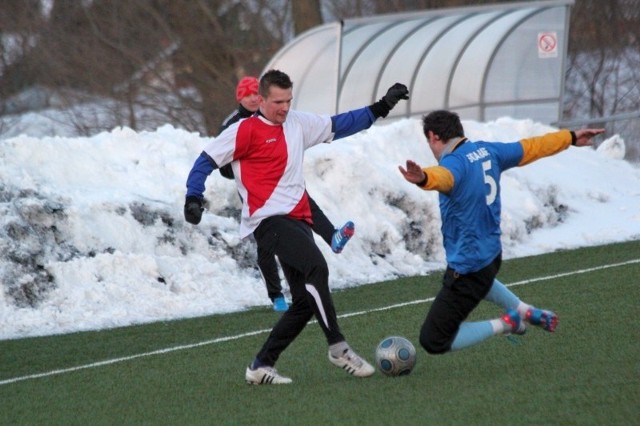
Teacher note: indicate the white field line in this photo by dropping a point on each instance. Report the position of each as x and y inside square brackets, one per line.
[264, 331]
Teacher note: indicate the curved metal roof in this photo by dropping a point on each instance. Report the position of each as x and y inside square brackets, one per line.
[482, 62]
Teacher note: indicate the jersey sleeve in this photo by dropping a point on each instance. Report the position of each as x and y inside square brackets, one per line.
[315, 128]
[351, 122]
[506, 154]
[438, 179]
[217, 152]
[201, 169]
[544, 146]
[222, 148]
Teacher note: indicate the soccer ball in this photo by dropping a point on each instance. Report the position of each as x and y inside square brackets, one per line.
[395, 356]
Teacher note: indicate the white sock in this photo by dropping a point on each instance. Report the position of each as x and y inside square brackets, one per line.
[337, 349]
[522, 309]
[499, 327]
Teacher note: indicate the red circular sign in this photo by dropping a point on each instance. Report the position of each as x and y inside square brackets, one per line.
[547, 42]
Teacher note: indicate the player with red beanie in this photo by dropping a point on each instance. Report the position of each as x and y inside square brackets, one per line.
[247, 86]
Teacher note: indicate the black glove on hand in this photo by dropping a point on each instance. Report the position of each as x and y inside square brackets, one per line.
[394, 94]
[193, 210]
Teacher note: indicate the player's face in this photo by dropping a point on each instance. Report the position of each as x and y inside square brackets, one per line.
[251, 102]
[275, 106]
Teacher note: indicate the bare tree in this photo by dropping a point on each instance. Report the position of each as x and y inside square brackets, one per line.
[603, 75]
[306, 15]
[603, 72]
[18, 33]
[177, 62]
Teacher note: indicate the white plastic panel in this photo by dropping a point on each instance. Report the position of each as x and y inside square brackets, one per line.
[356, 71]
[519, 72]
[481, 61]
[466, 85]
[538, 111]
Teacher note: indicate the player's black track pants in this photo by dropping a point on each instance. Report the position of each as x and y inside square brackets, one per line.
[307, 273]
[267, 261]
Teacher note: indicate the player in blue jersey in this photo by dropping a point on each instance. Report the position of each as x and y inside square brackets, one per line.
[467, 178]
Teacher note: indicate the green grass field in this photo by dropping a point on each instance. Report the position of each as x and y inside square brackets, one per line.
[191, 372]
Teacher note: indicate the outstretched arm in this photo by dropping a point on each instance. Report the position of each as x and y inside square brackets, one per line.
[201, 169]
[549, 144]
[435, 178]
[351, 122]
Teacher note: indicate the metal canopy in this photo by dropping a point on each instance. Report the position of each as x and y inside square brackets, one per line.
[482, 62]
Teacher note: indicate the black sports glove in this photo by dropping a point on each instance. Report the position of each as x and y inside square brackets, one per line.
[193, 210]
[394, 94]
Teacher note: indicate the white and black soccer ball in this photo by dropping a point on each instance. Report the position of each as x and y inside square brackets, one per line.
[395, 356]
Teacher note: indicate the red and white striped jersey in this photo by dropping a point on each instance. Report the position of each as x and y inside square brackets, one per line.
[267, 161]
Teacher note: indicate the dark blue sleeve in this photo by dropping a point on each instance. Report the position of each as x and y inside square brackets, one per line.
[349, 123]
[201, 169]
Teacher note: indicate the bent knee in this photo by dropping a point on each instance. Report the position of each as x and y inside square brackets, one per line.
[434, 348]
[434, 345]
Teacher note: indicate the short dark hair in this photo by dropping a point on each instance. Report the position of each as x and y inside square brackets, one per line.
[274, 78]
[445, 124]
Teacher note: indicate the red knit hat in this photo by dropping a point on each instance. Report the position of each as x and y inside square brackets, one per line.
[247, 86]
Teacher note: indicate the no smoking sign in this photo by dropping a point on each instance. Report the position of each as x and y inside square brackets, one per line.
[547, 45]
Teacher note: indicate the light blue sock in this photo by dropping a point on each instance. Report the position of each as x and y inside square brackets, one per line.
[502, 296]
[472, 333]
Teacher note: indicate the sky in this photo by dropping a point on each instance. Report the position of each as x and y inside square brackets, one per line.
[92, 233]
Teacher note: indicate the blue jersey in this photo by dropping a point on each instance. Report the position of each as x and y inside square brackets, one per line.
[471, 209]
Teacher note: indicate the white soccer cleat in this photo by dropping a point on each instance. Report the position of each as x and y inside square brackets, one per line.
[351, 362]
[265, 376]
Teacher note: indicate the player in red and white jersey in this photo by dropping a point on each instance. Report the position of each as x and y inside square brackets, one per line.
[248, 103]
[266, 152]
